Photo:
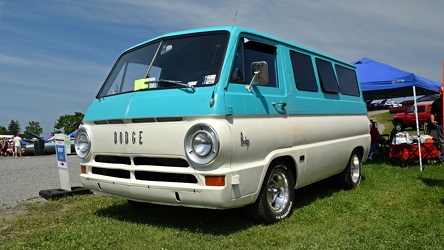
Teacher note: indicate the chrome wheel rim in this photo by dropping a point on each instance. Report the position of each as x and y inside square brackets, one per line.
[278, 192]
[355, 168]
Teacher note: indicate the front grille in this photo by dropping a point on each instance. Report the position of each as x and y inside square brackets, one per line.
[166, 177]
[164, 162]
[144, 175]
[140, 161]
[118, 173]
[113, 159]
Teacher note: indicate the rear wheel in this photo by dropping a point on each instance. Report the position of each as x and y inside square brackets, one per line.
[276, 197]
[352, 174]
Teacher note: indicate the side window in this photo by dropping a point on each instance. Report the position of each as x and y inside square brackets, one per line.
[347, 81]
[303, 71]
[327, 77]
[248, 52]
[421, 109]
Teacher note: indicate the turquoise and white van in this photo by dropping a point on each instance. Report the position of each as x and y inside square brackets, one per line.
[222, 118]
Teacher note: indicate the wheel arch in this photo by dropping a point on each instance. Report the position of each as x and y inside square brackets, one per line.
[291, 164]
[359, 150]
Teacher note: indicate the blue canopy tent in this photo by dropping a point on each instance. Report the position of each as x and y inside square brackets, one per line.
[382, 81]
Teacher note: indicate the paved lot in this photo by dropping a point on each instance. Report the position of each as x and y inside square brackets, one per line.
[21, 178]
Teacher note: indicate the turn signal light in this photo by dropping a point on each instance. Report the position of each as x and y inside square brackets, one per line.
[82, 169]
[215, 181]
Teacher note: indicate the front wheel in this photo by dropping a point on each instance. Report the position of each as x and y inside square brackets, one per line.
[352, 174]
[399, 126]
[276, 197]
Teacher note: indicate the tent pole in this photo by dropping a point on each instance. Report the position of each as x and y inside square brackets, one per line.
[417, 129]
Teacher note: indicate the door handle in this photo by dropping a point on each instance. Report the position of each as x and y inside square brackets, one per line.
[280, 107]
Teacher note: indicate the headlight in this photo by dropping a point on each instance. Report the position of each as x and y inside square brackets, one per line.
[202, 144]
[82, 142]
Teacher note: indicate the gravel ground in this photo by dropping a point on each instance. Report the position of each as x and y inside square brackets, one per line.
[22, 178]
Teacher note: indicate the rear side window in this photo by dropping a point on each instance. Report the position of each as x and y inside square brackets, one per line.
[347, 81]
[327, 77]
[303, 71]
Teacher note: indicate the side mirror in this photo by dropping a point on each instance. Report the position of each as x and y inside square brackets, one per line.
[165, 49]
[260, 74]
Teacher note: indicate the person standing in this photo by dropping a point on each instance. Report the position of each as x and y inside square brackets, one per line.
[17, 146]
[5, 146]
[436, 119]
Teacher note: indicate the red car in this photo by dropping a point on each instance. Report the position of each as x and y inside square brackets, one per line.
[408, 118]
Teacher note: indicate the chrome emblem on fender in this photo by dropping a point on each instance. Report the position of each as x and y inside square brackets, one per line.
[245, 142]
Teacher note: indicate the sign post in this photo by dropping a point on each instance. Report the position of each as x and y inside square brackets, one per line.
[62, 164]
[62, 148]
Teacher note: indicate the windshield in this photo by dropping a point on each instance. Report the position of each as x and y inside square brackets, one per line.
[168, 63]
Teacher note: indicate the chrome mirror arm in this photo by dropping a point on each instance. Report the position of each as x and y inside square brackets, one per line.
[253, 80]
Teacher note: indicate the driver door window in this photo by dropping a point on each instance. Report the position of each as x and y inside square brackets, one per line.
[250, 51]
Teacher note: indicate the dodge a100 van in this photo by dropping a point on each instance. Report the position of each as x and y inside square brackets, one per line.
[220, 118]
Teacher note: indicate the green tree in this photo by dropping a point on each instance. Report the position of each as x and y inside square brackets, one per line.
[3, 131]
[14, 127]
[33, 127]
[69, 123]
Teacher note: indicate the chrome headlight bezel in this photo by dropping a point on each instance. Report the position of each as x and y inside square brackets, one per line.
[82, 142]
[202, 144]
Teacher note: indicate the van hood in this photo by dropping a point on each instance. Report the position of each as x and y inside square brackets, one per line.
[158, 103]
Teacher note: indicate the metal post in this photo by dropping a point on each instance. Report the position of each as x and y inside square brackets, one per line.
[417, 129]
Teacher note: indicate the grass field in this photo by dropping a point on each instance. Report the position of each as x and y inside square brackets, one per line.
[394, 208]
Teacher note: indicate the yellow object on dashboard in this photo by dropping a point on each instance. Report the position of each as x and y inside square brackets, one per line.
[144, 83]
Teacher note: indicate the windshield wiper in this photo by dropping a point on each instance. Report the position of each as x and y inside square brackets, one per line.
[160, 81]
[180, 83]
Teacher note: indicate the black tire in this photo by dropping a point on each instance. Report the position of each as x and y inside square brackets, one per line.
[399, 126]
[276, 198]
[351, 176]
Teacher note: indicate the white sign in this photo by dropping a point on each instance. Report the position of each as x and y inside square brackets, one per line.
[60, 148]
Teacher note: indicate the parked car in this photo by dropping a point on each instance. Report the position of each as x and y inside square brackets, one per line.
[49, 147]
[403, 107]
[377, 105]
[408, 118]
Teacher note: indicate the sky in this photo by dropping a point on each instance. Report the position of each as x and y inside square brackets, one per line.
[56, 54]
